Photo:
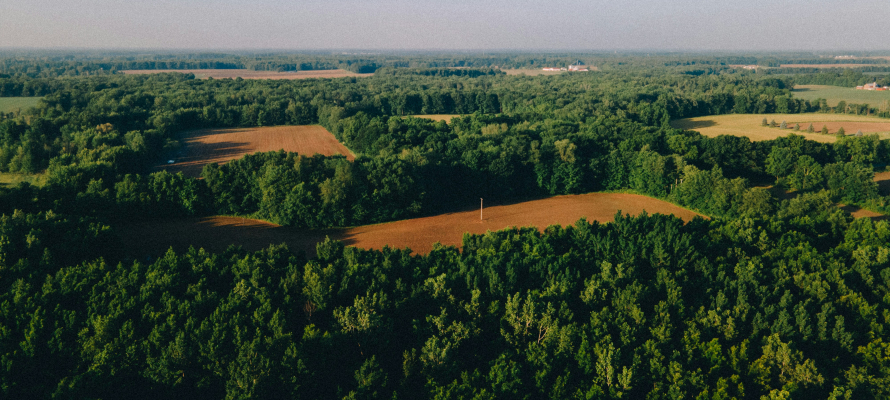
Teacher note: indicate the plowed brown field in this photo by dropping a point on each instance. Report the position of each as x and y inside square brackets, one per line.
[221, 145]
[419, 234]
[250, 74]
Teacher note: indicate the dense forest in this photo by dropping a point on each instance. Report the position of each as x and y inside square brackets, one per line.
[768, 297]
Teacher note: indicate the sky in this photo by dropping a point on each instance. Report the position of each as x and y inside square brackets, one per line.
[672, 25]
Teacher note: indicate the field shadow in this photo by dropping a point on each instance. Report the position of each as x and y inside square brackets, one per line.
[857, 212]
[195, 156]
[153, 238]
[883, 184]
[690, 125]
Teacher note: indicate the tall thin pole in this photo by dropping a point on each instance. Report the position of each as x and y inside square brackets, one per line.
[480, 209]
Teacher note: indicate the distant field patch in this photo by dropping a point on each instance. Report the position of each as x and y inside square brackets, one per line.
[12, 104]
[9, 179]
[251, 74]
[532, 72]
[208, 146]
[749, 125]
[848, 65]
[438, 117]
[834, 94]
[419, 234]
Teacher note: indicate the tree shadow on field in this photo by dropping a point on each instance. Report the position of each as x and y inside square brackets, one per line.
[690, 125]
[857, 212]
[192, 159]
[152, 238]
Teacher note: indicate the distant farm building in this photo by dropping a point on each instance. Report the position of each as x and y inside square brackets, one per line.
[578, 66]
[872, 86]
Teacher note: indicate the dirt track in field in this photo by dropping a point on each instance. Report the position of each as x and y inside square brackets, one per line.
[419, 234]
[208, 146]
[250, 74]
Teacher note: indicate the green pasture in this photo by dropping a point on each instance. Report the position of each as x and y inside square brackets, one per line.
[11, 104]
[834, 94]
[8, 179]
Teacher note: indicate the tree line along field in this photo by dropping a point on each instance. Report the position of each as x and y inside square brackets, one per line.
[208, 146]
[751, 125]
[250, 74]
[419, 234]
[835, 94]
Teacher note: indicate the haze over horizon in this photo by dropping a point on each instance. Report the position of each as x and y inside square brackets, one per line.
[690, 25]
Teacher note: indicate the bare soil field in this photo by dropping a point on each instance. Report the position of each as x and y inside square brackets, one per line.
[419, 234]
[749, 125]
[208, 146]
[883, 181]
[251, 74]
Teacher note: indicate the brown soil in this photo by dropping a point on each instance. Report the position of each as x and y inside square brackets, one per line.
[857, 212]
[221, 145]
[250, 74]
[419, 234]
[883, 181]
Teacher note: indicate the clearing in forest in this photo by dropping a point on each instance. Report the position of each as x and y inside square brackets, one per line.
[208, 146]
[12, 104]
[438, 117]
[419, 234]
[750, 125]
[251, 74]
[834, 94]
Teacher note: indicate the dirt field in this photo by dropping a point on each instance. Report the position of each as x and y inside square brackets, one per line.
[438, 117]
[217, 233]
[749, 125]
[221, 145]
[251, 74]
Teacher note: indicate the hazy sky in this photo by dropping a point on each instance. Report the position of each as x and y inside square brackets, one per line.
[448, 25]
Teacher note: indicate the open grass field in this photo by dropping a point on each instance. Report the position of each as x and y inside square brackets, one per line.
[749, 125]
[208, 146]
[438, 117]
[848, 65]
[834, 94]
[251, 74]
[419, 234]
[8, 179]
[11, 104]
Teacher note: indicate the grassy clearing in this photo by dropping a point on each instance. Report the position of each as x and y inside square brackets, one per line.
[11, 104]
[8, 179]
[438, 117]
[834, 94]
[750, 125]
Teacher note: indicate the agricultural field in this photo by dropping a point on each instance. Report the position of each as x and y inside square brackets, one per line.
[419, 234]
[12, 104]
[208, 146]
[750, 125]
[848, 65]
[251, 74]
[438, 117]
[531, 72]
[8, 179]
[834, 94]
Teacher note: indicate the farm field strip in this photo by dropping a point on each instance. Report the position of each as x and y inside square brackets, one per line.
[834, 94]
[209, 146]
[11, 104]
[251, 74]
[749, 125]
[419, 234]
[438, 117]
